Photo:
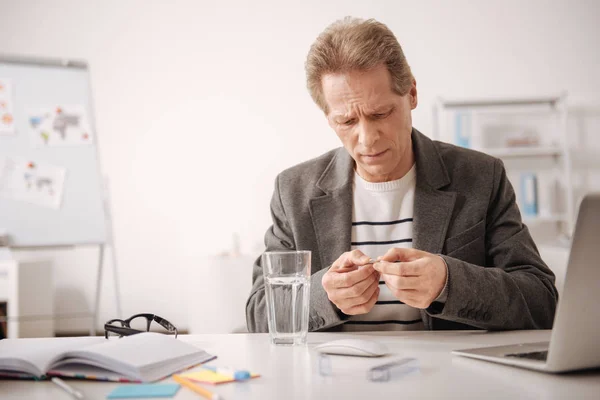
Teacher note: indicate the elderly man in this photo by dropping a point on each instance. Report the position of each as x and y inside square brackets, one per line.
[405, 232]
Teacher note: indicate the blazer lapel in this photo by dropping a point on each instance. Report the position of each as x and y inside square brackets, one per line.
[433, 207]
[331, 213]
[432, 213]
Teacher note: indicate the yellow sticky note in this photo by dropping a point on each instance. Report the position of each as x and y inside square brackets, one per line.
[211, 377]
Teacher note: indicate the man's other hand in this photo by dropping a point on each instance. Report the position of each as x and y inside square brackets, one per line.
[414, 277]
[352, 284]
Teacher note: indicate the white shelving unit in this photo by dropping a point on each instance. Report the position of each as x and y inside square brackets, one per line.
[28, 292]
[518, 130]
[512, 152]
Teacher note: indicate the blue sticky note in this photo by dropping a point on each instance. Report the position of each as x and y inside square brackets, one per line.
[135, 391]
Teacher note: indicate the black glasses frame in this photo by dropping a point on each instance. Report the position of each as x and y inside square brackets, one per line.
[126, 330]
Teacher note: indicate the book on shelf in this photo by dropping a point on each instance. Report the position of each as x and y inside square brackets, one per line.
[144, 357]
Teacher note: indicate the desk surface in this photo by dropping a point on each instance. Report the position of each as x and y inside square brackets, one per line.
[292, 372]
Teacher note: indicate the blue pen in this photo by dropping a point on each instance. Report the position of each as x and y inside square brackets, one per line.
[238, 375]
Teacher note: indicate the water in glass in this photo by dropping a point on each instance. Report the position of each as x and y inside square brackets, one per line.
[287, 289]
[288, 301]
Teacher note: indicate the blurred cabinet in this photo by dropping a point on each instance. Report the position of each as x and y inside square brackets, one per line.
[26, 296]
[217, 293]
[530, 136]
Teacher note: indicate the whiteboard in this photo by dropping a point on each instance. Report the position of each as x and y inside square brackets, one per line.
[81, 219]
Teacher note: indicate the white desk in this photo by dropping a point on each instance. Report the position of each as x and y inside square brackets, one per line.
[292, 373]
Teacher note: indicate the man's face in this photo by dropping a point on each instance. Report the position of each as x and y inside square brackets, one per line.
[372, 121]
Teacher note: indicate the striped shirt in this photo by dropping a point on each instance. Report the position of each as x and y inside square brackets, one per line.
[382, 218]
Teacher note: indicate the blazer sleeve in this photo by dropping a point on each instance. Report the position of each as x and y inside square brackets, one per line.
[279, 237]
[516, 289]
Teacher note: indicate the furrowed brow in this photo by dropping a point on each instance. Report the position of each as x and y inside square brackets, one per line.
[382, 109]
[342, 117]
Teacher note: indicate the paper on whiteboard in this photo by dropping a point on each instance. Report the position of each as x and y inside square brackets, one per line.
[32, 182]
[7, 120]
[60, 126]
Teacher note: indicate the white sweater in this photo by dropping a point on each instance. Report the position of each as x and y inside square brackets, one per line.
[382, 218]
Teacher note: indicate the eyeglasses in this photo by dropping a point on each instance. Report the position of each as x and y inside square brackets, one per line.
[136, 324]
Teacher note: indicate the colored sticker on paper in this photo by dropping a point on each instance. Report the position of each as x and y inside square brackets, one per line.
[7, 119]
[32, 182]
[60, 126]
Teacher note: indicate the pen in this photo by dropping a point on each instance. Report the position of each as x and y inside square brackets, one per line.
[196, 388]
[394, 369]
[238, 375]
[63, 385]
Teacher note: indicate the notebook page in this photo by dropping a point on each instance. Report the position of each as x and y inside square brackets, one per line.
[35, 355]
[151, 355]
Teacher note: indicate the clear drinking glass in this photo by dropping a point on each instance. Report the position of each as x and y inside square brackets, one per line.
[287, 287]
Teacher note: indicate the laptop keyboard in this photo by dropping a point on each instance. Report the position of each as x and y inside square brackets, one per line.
[534, 355]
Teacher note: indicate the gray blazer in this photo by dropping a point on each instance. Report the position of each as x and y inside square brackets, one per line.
[464, 209]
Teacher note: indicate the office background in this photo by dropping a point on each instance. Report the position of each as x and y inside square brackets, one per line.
[200, 104]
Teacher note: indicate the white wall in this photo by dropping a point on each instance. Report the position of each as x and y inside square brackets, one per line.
[199, 104]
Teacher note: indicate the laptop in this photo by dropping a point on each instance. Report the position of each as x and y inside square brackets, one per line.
[574, 340]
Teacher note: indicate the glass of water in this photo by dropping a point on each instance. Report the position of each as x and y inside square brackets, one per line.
[287, 286]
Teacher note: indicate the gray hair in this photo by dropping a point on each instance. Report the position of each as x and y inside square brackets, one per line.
[355, 44]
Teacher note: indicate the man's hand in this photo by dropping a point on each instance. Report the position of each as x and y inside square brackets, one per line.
[352, 284]
[414, 277]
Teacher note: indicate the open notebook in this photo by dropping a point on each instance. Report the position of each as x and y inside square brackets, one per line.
[144, 357]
